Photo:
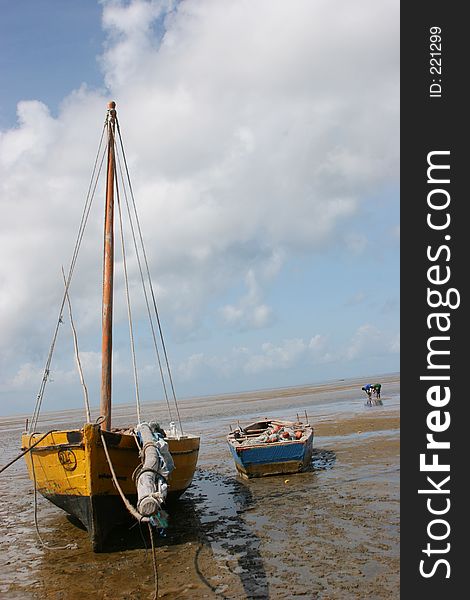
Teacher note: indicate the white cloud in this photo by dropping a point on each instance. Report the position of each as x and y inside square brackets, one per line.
[253, 131]
[367, 343]
[250, 312]
[245, 360]
[276, 357]
[28, 376]
[199, 363]
[321, 351]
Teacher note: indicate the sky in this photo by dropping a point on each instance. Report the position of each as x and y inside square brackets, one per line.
[263, 143]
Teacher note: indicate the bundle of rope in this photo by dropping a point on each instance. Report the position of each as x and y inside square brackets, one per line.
[151, 478]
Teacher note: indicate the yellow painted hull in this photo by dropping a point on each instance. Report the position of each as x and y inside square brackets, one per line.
[71, 470]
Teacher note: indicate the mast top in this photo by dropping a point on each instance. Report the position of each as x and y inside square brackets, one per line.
[111, 116]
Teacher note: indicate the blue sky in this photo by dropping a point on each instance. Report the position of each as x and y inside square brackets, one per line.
[48, 48]
[263, 146]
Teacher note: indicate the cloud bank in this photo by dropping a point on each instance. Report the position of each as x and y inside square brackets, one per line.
[254, 131]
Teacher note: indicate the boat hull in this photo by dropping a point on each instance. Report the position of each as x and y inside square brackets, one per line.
[272, 458]
[71, 470]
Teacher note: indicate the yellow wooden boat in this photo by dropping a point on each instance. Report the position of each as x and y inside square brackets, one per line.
[70, 467]
[71, 470]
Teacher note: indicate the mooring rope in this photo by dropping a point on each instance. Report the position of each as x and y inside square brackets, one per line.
[72, 546]
[154, 560]
[127, 504]
[26, 451]
[132, 511]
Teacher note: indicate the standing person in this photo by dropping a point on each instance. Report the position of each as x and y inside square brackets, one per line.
[368, 390]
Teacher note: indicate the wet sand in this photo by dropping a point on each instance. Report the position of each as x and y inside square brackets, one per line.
[329, 533]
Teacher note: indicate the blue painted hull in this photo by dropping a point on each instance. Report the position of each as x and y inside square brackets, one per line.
[272, 458]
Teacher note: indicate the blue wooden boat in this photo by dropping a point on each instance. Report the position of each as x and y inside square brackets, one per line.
[271, 447]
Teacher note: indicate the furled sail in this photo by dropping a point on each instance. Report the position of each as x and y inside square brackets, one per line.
[152, 476]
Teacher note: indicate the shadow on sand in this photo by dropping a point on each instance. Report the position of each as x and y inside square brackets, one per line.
[210, 515]
[220, 502]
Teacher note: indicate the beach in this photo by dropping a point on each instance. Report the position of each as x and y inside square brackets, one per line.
[329, 533]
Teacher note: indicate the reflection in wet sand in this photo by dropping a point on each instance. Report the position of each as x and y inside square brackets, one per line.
[223, 501]
[330, 532]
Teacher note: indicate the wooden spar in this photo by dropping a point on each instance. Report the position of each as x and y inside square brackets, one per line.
[108, 275]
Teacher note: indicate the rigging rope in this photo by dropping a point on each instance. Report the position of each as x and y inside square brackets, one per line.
[128, 300]
[139, 262]
[77, 356]
[97, 167]
[85, 214]
[148, 276]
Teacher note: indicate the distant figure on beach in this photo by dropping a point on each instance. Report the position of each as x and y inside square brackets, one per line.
[368, 390]
[377, 388]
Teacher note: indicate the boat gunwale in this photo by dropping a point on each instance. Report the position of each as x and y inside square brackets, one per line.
[52, 447]
[271, 444]
[117, 435]
[232, 441]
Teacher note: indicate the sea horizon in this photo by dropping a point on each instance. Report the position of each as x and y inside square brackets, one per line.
[185, 399]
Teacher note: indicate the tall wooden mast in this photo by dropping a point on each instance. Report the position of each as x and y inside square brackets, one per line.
[108, 275]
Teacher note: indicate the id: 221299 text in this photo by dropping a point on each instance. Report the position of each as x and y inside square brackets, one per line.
[435, 62]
